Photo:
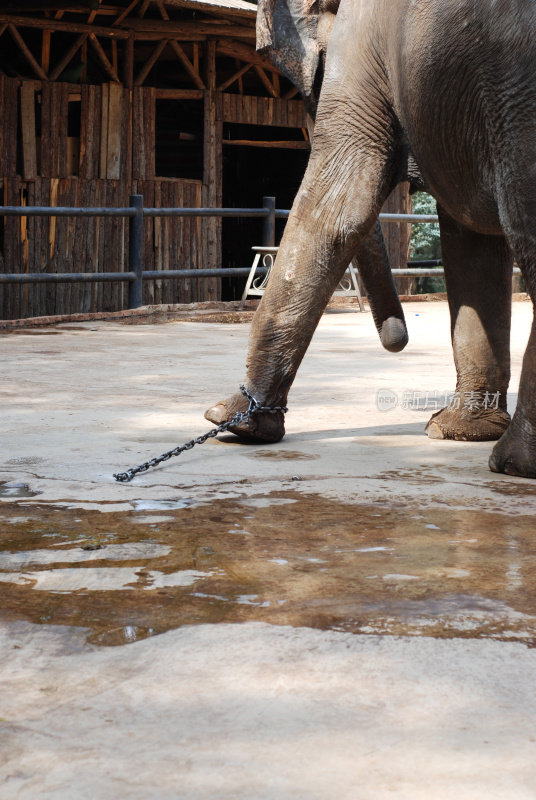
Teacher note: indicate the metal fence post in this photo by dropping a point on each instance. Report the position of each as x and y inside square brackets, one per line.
[268, 225]
[135, 240]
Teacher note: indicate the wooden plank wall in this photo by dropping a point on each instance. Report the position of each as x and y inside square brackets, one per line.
[249, 110]
[65, 244]
[109, 115]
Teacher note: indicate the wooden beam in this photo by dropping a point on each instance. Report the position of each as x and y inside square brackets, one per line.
[27, 53]
[265, 80]
[83, 59]
[187, 64]
[45, 50]
[216, 10]
[115, 63]
[144, 7]
[151, 62]
[227, 47]
[48, 6]
[153, 36]
[283, 145]
[179, 94]
[103, 58]
[291, 93]
[186, 27]
[125, 13]
[234, 77]
[129, 63]
[3, 27]
[162, 9]
[58, 69]
[59, 25]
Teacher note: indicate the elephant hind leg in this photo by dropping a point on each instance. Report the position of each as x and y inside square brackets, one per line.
[515, 452]
[478, 273]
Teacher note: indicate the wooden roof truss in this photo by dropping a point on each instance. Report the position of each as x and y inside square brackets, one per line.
[128, 41]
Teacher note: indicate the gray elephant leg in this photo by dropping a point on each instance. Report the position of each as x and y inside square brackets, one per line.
[478, 274]
[355, 148]
[329, 221]
[375, 271]
[515, 452]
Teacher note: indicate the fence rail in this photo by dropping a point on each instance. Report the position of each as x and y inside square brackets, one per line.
[135, 275]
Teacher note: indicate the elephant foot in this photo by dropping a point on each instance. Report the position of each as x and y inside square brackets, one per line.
[468, 425]
[515, 452]
[261, 427]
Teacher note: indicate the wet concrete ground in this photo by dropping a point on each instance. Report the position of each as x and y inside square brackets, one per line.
[283, 558]
[355, 604]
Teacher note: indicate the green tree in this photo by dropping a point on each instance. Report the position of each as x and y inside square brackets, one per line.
[425, 243]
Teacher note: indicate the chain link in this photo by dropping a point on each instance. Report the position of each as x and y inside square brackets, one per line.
[254, 407]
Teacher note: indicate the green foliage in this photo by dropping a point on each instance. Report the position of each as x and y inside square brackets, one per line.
[425, 243]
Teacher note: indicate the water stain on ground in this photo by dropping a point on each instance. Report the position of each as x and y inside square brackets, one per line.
[16, 489]
[285, 558]
[284, 455]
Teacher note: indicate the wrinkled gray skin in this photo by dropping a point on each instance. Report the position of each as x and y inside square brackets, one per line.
[443, 93]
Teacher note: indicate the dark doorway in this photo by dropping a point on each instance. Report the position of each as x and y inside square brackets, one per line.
[249, 174]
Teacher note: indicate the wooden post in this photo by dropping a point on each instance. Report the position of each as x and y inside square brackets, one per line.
[210, 288]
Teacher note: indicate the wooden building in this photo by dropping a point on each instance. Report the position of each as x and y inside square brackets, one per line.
[166, 98]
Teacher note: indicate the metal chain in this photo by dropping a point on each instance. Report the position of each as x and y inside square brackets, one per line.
[254, 407]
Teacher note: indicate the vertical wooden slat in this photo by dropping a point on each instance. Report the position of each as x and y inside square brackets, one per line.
[126, 149]
[107, 246]
[2, 127]
[78, 248]
[10, 112]
[90, 132]
[211, 287]
[41, 254]
[138, 141]
[91, 247]
[157, 242]
[84, 122]
[149, 131]
[29, 146]
[105, 105]
[112, 125]
[62, 129]
[182, 242]
[46, 127]
[55, 135]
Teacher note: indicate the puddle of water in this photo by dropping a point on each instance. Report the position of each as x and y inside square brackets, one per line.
[284, 558]
[26, 461]
[13, 489]
[162, 505]
[283, 455]
[31, 331]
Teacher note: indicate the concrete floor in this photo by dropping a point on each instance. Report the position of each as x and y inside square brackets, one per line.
[347, 614]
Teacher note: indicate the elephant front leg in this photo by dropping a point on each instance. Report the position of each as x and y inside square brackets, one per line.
[324, 231]
[478, 274]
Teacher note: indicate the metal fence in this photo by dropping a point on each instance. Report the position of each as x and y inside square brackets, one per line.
[135, 275]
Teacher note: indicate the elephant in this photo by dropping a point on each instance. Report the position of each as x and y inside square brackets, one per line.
[440, 93]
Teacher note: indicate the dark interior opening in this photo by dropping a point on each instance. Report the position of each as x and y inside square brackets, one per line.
[179, 139]
[249, 174]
